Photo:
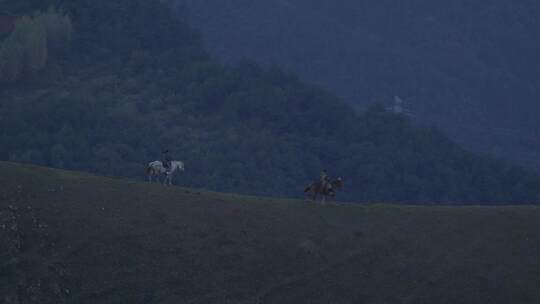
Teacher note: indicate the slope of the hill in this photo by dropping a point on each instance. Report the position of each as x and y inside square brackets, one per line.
[135, 79]
[75, 238]
[470, 67]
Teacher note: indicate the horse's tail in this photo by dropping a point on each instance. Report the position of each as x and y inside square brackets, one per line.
[308, 188]
[148, 169]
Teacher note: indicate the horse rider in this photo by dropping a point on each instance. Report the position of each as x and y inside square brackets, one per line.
[166, 159]
[325, 180]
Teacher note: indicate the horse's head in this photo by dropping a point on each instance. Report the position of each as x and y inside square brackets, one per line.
[338, 183]
[179, 165]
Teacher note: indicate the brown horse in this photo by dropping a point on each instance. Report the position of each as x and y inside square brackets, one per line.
[317, 188]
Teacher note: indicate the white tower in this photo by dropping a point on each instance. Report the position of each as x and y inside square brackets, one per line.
[398, 105]
[399, 108]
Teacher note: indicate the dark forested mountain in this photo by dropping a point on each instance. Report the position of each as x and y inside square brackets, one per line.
[471, 68]
[104, 86]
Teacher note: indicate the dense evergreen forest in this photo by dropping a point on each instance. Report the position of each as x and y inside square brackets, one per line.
[111, 83]
[471, 68]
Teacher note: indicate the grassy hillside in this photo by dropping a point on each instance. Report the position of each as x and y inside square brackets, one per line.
[76, 238]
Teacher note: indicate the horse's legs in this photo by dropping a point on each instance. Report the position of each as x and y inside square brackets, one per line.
[166, 180]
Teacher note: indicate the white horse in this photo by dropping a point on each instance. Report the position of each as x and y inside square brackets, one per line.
[156, 168]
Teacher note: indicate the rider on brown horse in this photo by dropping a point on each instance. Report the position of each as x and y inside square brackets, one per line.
[325, 186]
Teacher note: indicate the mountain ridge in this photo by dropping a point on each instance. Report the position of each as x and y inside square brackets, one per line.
[135, 79]
[470, 69]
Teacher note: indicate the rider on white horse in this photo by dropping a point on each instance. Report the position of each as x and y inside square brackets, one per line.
[165, 167]
[156, 169]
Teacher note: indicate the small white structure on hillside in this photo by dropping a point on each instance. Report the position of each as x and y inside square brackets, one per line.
[399, 108]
